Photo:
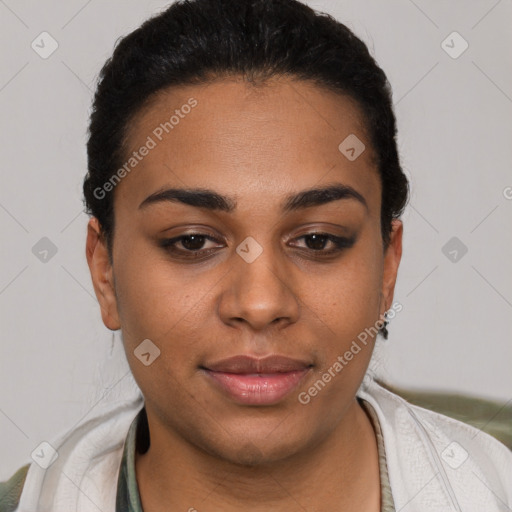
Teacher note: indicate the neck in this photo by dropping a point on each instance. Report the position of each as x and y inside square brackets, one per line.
[340, 471]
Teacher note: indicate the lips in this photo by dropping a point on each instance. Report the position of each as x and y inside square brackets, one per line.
[257, 381]
[246, 364]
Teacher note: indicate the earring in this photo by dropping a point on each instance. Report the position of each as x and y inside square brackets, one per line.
[383, 330]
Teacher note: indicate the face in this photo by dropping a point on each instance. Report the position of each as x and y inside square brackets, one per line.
[255, 265]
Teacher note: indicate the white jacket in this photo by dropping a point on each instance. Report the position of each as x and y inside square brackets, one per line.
[439, 464]
[435, 463]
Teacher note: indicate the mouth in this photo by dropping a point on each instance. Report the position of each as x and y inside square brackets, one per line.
[257, 381]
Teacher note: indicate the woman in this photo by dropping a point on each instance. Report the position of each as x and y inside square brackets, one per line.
[245, 194]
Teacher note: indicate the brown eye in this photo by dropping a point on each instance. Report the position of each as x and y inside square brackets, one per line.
[193, 242]
[316, 243]
[192, 245]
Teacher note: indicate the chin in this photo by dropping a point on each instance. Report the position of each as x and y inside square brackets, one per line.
[256, 453]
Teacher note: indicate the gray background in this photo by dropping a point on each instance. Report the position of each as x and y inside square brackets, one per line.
[57, 361]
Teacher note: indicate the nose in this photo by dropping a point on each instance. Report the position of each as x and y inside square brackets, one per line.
[259, 293]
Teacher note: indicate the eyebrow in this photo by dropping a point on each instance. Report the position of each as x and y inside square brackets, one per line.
[205, 198]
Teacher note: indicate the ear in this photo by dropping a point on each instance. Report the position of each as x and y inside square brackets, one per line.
[392, 258]
[102, 274]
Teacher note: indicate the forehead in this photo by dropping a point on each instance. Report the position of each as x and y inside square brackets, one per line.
[239, 138]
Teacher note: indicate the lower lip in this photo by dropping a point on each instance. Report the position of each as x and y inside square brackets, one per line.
[257, 389]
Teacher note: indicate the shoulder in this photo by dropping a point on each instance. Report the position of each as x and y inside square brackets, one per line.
[439, 427]
[10, 491]
[451, 423]
[471, 465]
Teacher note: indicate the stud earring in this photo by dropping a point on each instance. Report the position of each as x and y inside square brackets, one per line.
[383, 330]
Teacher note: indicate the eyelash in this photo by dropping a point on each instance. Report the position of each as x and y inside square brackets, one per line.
[340, 243]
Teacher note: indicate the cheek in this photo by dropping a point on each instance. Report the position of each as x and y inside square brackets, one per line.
[348, 304]
[156, 304]
[151, 297]
[348, 297]
[170, 306]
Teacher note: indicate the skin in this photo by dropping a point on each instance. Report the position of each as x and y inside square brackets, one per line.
[257, 145]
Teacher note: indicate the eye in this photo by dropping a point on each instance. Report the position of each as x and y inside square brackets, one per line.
[192, 245]
[316, 242]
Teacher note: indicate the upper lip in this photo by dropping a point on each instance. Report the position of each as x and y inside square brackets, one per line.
[249, 364]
